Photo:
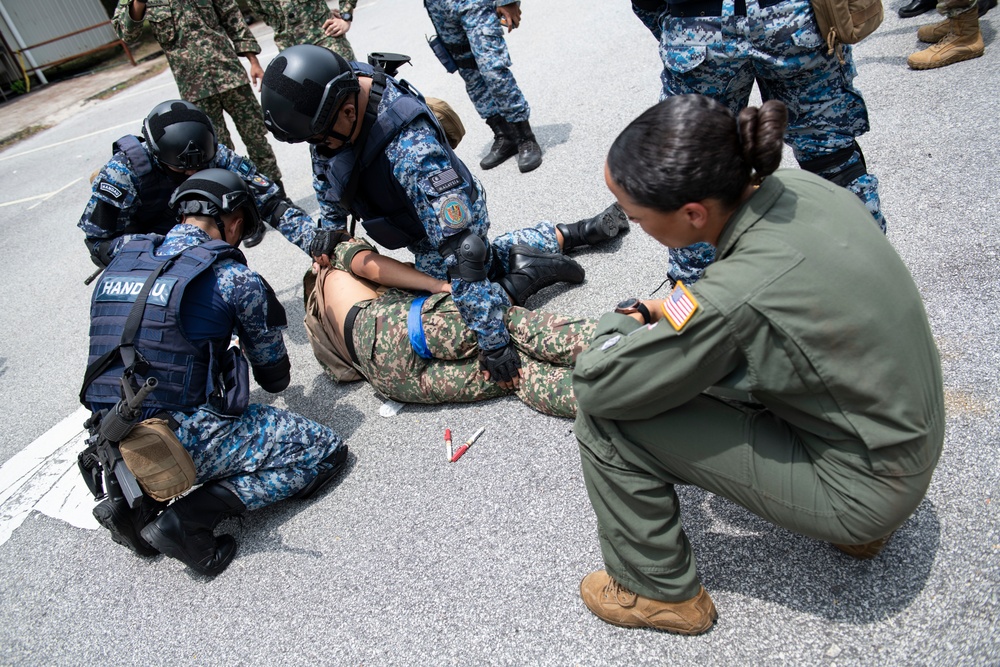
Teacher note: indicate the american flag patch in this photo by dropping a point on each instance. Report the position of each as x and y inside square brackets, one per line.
[679, 306]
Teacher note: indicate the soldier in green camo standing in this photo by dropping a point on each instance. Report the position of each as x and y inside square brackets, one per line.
[201, 41]
[308, 22]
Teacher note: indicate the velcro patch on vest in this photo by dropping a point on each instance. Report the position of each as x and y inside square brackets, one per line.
[111, 190]
[447, 179]
[125, 289]
[242, 166]
[261, 182]
[679, 306]
[453, 212]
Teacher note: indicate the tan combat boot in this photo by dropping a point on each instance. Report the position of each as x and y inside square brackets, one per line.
[962, 43]
[615, 604]
[865, 551]
[934, 32]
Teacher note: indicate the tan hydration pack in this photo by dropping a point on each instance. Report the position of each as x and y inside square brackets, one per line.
[161, 465]
[846, 21]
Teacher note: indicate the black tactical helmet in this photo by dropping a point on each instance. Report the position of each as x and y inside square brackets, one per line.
[214, 192]
[180, 135]
[303, 88]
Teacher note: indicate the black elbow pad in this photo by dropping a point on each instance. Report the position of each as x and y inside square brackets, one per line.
[275, 377]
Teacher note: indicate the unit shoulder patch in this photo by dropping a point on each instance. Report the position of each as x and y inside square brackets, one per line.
[111, 190]
[453, 212]
[679, 306]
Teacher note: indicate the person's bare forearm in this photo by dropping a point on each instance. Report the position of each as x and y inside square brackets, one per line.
[392, 273]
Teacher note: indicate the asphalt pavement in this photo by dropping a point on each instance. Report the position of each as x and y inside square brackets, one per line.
[409, 560]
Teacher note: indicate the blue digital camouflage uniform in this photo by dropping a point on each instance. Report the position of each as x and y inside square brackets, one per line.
[780, 47]
[472, 32]
[295, 224]
[266, 454]
[415, 154]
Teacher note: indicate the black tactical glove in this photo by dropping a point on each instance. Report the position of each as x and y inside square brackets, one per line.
[502, 363]
[325, 241]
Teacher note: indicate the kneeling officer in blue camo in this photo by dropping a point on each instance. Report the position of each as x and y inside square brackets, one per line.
[130, 192]
[380, 155]
[167, 308]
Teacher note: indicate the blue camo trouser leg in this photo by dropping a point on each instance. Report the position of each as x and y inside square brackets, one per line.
[780, 47]
[650, 19]
[471, 29]
[263, 456]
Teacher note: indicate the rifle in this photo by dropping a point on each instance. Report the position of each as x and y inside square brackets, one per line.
[108, 428]
[93, 276]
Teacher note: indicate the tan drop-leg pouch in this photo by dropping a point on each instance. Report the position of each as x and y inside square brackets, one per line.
[159, 462]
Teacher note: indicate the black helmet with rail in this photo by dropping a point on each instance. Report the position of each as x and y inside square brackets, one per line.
[180, 135]
[303, 88]
[212, 192]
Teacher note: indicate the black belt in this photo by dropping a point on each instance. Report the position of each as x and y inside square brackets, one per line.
[713, 7]
[352, 314]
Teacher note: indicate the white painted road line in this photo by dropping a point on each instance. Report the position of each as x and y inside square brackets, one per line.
[44, 477]
[133, 123]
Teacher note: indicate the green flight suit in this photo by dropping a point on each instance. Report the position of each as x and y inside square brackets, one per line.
[810, 310]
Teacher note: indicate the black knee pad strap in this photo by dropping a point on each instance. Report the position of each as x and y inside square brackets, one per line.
[843, 175]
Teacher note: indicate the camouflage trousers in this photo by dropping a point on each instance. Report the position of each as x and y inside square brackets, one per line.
[548, 345]
[303, 24]
[471, 29]
[338, 45]
[952, 8]
[263, 456]
[242, 106]
[781, 49]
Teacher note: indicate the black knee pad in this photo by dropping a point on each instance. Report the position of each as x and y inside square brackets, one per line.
[834, 167]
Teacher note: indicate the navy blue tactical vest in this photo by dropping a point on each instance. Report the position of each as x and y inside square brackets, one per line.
[186, 371]
[155, 188]
[386, 212]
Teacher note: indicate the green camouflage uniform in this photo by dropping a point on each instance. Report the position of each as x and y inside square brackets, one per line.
[201, 39]
[301, 22]
[548, 345]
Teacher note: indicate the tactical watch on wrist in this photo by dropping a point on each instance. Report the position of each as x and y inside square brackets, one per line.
[629, 306]
[347, 16]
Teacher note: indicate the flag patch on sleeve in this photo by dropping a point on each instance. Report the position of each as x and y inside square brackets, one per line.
[679, 306]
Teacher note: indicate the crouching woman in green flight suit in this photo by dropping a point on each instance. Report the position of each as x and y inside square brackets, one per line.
[798, 377]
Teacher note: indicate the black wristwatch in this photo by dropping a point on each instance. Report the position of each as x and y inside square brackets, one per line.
[629, 306]
[347, 16]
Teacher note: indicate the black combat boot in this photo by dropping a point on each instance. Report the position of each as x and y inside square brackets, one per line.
[532, 270]
[184, 530]
[125, 522]
[504, 143]
[529, 153]
[328, 469]
[602, 227]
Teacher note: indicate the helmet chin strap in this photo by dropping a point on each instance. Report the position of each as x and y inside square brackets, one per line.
[346, 139]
